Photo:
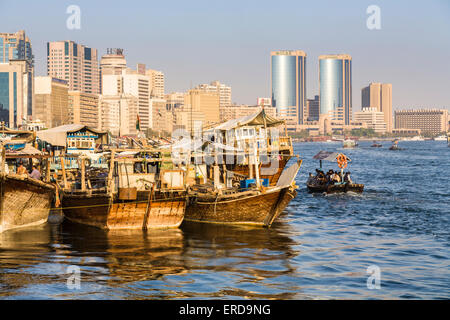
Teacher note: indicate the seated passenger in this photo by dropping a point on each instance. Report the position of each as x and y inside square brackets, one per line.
[337, 177]
[21, 170]
[35, 174]
[329, 175]
[347, 177]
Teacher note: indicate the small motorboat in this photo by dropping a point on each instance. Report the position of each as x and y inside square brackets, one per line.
[376, 145]
[336, 188]
[395, 146]
[320, 182]
[349, 143]
[440, 138]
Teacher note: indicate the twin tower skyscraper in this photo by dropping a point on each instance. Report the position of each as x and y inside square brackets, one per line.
[288, 85]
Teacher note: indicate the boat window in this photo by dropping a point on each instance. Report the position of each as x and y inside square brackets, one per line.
[138, 168]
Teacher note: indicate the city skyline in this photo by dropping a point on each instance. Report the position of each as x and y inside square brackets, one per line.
[205, 42]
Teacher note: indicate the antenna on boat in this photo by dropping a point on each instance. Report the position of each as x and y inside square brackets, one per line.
[190, 101]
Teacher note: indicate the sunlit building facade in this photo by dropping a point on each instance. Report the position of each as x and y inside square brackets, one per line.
[51, 101]
[16, 78]
[379, 96]
[288, 82]
[75, 63]
[335, 82]
[433, 121]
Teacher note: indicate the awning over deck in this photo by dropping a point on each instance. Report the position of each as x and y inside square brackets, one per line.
[328, 156]
[259, 118]
[58, 136]
[27, 152]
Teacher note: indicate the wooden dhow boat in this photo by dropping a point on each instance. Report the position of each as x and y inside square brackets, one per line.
[253, 206]
[24, 201]
[270, 136]
[247, 182]
[139, 190]
[324, 184]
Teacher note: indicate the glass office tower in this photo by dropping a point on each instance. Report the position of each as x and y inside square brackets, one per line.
[335, 81]
[288, 69]
[16, 77]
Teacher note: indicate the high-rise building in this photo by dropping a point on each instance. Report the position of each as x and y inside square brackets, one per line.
[17, 47]
[15, 98]
[432, 121]
[84, 109]
[75, 63]
[313, 107]
[118, 114]
[207, 103]
[373, 118]
[157, 83]
[162, 119]
[238, 111]
[288, 78]
[113, 62]
[335, 82]
[156, 80]
[51, 101]
[119, 85]
[221, 89]
[189, 121]
[174, 100]
[379, 96]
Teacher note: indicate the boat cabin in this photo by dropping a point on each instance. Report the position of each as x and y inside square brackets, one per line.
[74, 138]
[258, 128]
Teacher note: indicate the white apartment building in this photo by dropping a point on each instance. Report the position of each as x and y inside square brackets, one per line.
[75, 63]
[223, 90]
[373, 118]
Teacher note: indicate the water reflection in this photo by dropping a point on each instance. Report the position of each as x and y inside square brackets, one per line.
[21, 251]
[192, 261]
[250, 259]
[126, 255]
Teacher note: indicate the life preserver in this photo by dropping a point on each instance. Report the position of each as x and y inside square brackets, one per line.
[342, 161]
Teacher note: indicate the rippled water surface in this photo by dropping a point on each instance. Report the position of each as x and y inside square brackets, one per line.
[320, 248]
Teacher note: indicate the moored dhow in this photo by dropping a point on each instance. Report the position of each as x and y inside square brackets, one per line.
[139, 190]
[247, 181]
[255, 206]
[25, 200]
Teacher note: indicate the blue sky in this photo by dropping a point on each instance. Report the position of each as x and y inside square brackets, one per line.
[195, 42]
